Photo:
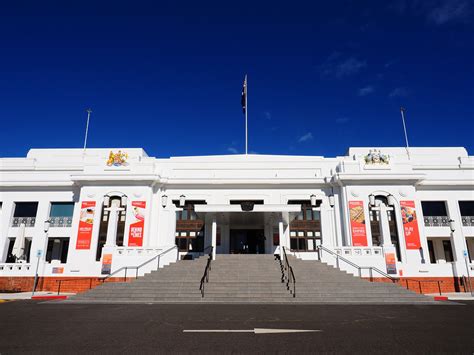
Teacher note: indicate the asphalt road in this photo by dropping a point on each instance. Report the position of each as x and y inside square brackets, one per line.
[28, 326]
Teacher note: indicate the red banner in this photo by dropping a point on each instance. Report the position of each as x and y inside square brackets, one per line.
[135, 235]
[410, 225]
[106, 264]
[86, 222]
[357, 217]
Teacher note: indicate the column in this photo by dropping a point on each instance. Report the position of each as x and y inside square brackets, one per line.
[458, 240]
[327, 230]
[384, 226]
[214, 237]
[112, 225]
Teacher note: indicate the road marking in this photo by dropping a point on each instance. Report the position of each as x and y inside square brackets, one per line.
[255, 331]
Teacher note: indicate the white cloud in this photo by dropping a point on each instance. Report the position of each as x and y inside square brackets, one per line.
[232, 150]
[268, 115]
[366, 90]
[342, 120]
[449, 11]
[339, 67]
[398, 92]
[306, 137]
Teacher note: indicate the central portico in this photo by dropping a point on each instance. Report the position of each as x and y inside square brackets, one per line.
[247, 227]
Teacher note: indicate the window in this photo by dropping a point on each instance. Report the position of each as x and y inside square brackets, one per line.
[189, 228]
[375, 228]
[305, 229]
[11, 258]
[25, 212]
[61, 214]
[304, 240]
[57, 249]
[467, 212]
[190, 241]
[448, 251]
[435, 213]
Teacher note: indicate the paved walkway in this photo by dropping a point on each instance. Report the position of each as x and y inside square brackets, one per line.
[27, 295]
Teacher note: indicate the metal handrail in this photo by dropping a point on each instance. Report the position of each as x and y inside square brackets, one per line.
[372, 268]
[290, 275]
[205, 276]
[102, 279]
[359, 268]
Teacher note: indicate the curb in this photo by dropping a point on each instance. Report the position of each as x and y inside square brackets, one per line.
[49, 297]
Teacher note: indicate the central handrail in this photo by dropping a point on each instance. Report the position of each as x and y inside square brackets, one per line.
[102, 279]
[205, 276]
[290, 275]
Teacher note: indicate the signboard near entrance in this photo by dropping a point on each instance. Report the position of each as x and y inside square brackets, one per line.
[410, 225]
[391, 263]
[86, 222]
[356, 212]
[135, 236]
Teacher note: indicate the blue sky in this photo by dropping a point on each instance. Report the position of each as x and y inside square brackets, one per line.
[167, 76]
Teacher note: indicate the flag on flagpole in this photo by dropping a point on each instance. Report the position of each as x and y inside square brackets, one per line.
[243, 100]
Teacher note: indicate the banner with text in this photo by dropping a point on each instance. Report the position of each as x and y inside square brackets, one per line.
[106, 264]
[356, 212]
[410, 225]
[86, 222]
[391, 263]
[135, 235]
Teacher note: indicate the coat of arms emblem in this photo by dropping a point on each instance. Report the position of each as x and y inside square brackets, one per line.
[117, 159]
[375, 157]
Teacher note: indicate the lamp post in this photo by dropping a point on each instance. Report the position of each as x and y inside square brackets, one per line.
[40, 252]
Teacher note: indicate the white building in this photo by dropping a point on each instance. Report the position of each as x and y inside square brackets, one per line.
[411, 215]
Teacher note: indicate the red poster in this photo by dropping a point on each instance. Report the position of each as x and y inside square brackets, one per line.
[356, 212]
[391, 263]
[106, 264]
[135, 235]
[86, 222]
[410, 225]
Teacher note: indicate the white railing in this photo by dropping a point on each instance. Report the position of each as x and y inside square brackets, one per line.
[358, 251]
[18, 269]
[65, 221]
[467, 221]
[436, 221]
[27, 221]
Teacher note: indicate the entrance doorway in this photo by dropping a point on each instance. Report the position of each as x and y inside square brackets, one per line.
[247, 241]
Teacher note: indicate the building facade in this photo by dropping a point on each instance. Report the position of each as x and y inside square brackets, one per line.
[409, 213]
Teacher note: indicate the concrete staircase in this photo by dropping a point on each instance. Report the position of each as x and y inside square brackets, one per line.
[249, 279]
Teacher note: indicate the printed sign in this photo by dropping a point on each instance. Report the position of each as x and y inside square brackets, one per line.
[106, 264]
[86, 222]
[135, 235]
[391, 263]
[58, 270]
[410, 225]
[356, 212]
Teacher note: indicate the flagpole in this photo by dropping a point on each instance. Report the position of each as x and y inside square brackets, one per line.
[402, 111]
[246, 110]
[87, 130]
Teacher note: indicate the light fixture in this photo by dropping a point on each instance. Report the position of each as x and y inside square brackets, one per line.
[47, 224]
[106, 200]
[313, 200]
[372, 200]
[182, 200]
[332, 200]
[124, 200]
[452, 225]
[391, 200]
[164, 200]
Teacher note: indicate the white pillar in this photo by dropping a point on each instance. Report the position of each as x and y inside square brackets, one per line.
[214, 238]
[281, 232]
[327, 230]
[384, 224]
[458, 240]
[112, 225]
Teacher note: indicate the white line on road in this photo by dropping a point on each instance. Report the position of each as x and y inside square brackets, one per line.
[255, 331]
